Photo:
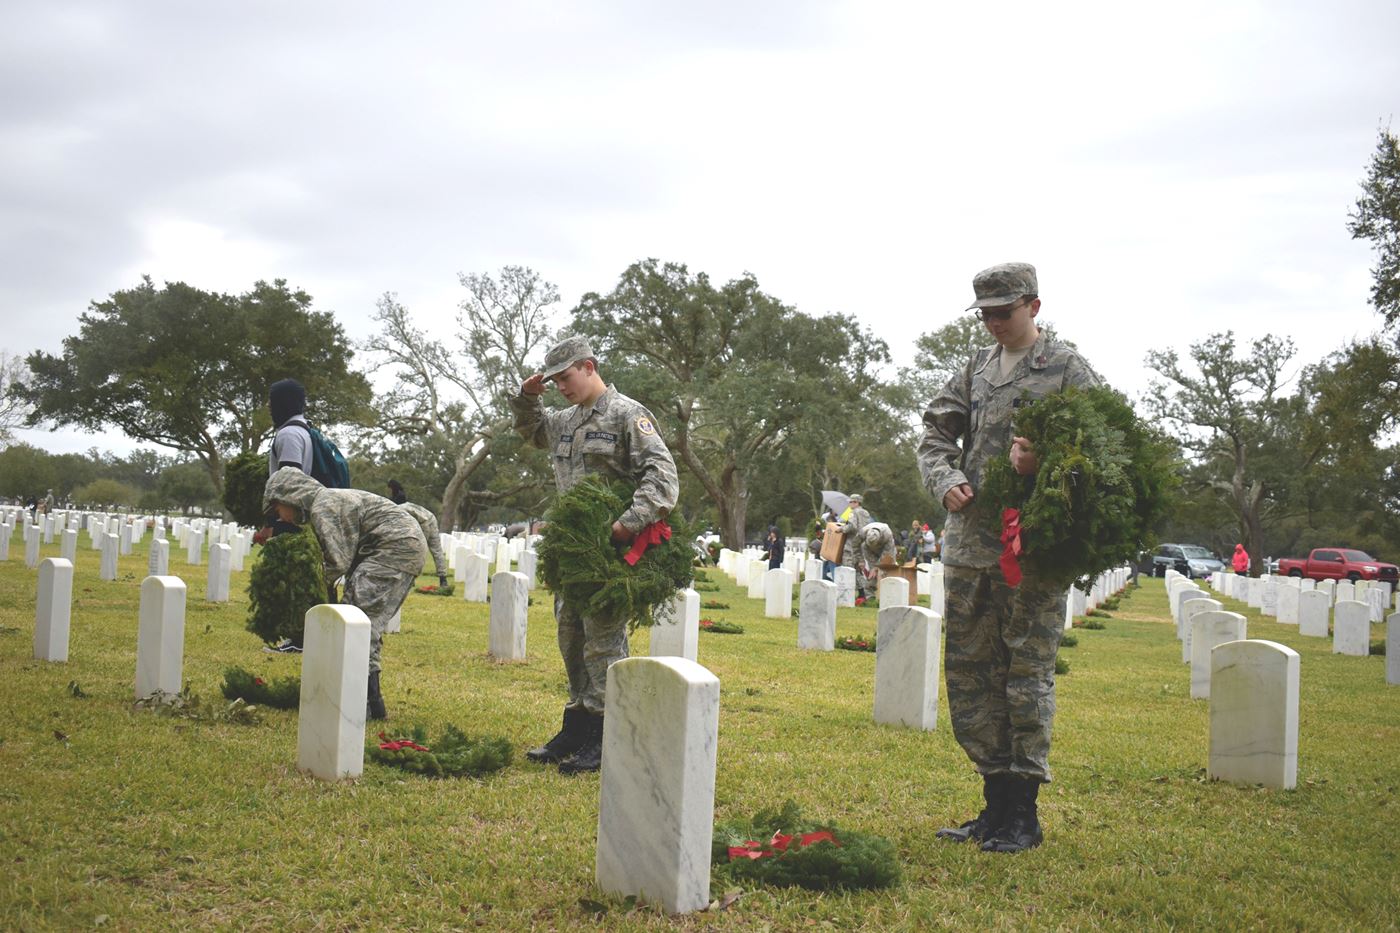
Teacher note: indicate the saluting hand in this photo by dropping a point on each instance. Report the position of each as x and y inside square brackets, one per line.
[534, 385]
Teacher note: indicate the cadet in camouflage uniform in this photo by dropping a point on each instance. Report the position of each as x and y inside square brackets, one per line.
[428, 524]
[603, 432]
[876, 544]
[850, 547]
[374, 544]
[1001, 641]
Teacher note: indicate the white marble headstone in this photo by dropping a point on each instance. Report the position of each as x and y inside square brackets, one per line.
[1189, 608]
[907, 643]
[676, 632]
[220, 566]
[334, 686]
[777, 601]
[459, 563]
[158, 560]
[1288, 605]
[476, 579]
[108, 568]
[894, 591]
[1392, 650]
[31, 547]
[160, 637]
[1208, 629]
[656, 796]
[1351, 628]
[758, 573]
[845, 586]
[1313, 613]
[510, 598]
[529, 562]
[68, 549]
[816, 616]
[1345, 589]
[1269, 604]
[53, 608]
[1254, 714]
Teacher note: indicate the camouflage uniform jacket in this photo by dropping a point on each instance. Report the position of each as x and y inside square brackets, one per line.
[968, 425]
[428, 523]
[351, 524]
[856, 523]
[875, 556]
[616, 437]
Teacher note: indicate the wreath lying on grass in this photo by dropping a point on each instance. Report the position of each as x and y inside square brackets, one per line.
[1105, 481]
[856, 643]
[721, 627]
[282, 693]
[288, 579]
[435, 590]
[782, 848]
[713, 604]
[580, 562]
[452, 755]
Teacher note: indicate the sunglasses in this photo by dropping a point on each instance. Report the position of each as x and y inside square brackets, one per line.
[1003, 314]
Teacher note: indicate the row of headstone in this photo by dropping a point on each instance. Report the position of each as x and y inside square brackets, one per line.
[1291, 602]
[1109, 583]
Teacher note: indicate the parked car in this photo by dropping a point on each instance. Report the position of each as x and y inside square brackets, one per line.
[1339, 563]
[1189, 559]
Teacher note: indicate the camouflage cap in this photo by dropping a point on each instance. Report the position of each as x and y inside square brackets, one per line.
[1003, 284]
[566, 353]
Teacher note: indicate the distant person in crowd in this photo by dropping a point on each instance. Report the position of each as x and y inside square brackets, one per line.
[1001, 639]
[930, 545]
[375, 545]
[855, 518]
[773, 546]
[428, 524]
[602, 431]
[397, 495]
[50, 503]
[291, 444]
[1240, 562]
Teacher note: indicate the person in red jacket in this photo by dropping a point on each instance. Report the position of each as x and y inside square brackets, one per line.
[1241, 559]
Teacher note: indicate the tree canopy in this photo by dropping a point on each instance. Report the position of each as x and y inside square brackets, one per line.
[189, 370]
[1377, 218]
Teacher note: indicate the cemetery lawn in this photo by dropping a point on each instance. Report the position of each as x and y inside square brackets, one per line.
[116, 817]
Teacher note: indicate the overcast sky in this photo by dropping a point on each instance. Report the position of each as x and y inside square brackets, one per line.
[1172, 170]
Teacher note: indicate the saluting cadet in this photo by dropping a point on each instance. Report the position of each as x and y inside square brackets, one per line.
[1001, 642]
[374, 544]
[603, 431]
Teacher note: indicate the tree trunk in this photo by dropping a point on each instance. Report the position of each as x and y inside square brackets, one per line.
[466, 463]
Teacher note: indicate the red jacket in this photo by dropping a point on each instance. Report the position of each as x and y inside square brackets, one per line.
[1241, 559]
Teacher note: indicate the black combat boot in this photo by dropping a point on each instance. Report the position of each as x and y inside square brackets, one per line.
[589, 756]
[374, 700]
[984, 824]
[1022, 828]
[567, 741]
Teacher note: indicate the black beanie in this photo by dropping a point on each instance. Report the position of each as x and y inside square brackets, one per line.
[286, 398]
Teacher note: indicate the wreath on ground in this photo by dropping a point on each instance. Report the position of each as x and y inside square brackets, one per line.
[781, 847]
[580, 562]
[714, 604]
[282, 693]
[435, 590]
[287, 580]
[1105, 481]
[856, 643]
[721, 627]
[454, 754]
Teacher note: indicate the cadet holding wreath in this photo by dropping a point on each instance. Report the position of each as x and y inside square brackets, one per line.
[602, 432]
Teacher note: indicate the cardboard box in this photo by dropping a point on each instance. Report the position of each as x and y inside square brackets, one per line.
[908, 572]
[833, 542]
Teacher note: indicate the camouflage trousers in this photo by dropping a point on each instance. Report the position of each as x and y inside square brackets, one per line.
[378, 592]
[588, 646]
[851, 557]
[1000, 668]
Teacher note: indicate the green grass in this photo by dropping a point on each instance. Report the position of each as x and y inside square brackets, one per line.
[139, 822]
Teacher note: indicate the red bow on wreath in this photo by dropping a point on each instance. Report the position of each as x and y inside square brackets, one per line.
[650, 536]
[778, 844]
[394, 746]
[1011, 546]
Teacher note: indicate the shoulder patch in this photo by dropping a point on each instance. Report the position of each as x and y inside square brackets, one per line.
[645, 426]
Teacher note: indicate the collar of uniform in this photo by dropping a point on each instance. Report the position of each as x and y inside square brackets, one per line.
[600, 406]
[1036, 358]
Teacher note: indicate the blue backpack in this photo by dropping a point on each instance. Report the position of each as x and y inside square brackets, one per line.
[328, 466]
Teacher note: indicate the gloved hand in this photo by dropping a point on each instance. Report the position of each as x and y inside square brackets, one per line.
[442, 580]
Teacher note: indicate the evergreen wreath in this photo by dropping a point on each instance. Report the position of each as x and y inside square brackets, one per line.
[781, 847]
[452, 755]
[721, 627]
[1106, 480]
[856, 643]
[244, 478]
[287, 580]
[580, 562]
[282, 693]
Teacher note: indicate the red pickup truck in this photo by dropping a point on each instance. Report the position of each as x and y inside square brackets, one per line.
[1336, 563]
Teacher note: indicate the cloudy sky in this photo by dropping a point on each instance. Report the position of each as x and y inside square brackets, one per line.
[1172, 170]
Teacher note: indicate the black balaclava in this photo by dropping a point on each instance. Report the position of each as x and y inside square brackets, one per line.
[286, 398]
